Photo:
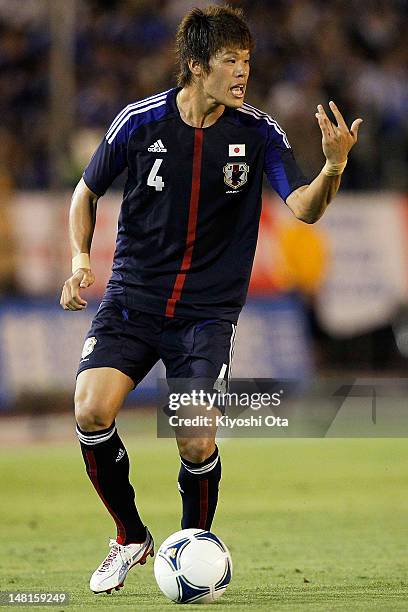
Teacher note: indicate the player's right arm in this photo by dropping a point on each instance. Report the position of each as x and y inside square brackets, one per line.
[82, 217]
[108, 161]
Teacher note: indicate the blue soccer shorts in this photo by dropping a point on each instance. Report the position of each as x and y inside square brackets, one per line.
[197, 351]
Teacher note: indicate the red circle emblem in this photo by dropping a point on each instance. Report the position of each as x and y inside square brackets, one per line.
[236, 150]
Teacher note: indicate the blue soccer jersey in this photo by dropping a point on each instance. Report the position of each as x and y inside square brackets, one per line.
[190, 214]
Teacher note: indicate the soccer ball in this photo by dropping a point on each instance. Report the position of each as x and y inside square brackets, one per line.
[193, 566]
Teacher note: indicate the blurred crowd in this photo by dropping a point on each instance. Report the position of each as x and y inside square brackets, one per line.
[308, 51]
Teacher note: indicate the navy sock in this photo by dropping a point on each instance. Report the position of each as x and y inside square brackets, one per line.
[198, 486]
[107, 465]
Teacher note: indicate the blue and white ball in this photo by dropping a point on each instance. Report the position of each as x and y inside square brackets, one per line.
[193, 566]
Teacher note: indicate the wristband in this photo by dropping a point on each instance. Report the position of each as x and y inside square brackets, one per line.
[80, 261]
[330, 169]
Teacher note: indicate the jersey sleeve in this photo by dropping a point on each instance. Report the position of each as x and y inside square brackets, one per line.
[109, 159]
[283, 173]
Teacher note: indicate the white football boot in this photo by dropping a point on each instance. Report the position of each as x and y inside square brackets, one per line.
[113, 570]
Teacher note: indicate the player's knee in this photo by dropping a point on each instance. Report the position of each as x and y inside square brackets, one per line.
[196, 450]
[90, 414]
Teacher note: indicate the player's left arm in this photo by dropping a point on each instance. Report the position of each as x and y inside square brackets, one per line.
[309, 202]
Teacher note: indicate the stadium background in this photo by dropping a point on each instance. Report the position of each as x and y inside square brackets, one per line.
[326, 300]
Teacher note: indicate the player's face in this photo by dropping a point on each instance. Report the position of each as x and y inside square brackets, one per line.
[226, 83]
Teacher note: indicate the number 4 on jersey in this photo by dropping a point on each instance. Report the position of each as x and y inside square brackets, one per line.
[153, 180]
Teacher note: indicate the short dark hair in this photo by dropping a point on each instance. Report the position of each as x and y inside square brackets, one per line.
[204, 32]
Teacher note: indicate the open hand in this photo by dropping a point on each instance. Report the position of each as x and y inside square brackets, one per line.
[337, 140]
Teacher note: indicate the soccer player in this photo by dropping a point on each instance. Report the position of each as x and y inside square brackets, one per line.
[195, 157]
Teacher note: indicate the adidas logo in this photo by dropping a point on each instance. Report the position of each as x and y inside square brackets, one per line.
[121, 454]
[157, 147]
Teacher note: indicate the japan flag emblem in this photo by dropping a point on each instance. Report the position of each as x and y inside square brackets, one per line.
[236, 150]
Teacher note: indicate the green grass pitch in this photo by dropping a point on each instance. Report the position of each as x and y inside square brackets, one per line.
[315, 525]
